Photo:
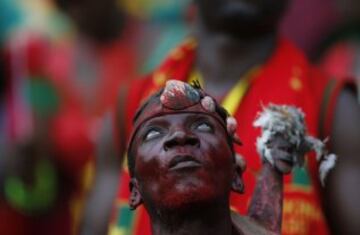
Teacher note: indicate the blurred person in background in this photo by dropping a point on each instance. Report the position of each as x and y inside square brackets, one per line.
[339, 53]
[242, 60]
[10, 16]
[318, 18]
[2, 117]
[163, 23]
[65, 62]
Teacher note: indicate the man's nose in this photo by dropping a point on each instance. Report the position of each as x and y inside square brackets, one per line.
[181, 138]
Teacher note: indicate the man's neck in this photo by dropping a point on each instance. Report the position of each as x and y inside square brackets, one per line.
[223, 59]
[193, 221]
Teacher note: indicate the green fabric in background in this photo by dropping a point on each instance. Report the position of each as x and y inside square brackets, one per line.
[43, 97]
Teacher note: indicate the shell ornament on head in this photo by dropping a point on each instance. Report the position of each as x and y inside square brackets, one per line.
[178, 95]
[289, 122]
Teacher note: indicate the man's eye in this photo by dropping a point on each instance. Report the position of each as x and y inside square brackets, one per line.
[151, 134]
[205, 127]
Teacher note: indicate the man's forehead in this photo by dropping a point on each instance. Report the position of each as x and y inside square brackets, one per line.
[178, 117]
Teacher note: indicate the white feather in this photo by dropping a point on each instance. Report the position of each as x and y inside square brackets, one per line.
[325, 166]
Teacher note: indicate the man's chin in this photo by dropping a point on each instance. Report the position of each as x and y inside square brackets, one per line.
[243, 27]
[242, 20]
[188, 199]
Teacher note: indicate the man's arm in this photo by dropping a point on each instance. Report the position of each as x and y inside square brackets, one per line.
[342, 192]
[266, 202]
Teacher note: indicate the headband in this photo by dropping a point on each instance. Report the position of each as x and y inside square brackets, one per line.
[180, 97]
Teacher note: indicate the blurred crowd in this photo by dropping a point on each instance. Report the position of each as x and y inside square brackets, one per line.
[65, 64]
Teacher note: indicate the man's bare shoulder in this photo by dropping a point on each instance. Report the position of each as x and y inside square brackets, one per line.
[247, 226]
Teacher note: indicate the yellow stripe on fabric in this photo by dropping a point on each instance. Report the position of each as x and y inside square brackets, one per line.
[290, 188]
[125, 164]
[232, 100]
[196, 76]
[77, 204]
[116, 231]
[120, 202]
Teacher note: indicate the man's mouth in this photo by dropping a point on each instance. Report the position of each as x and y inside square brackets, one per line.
[180, 162]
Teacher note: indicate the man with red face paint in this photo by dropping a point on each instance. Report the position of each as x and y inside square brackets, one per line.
[182, 166]
[243, 63]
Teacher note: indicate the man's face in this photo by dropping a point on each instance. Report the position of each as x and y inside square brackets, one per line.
[241, 17]
[182, 159]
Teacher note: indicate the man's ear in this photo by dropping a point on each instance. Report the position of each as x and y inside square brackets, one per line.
[238, 183]
[135, 199]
